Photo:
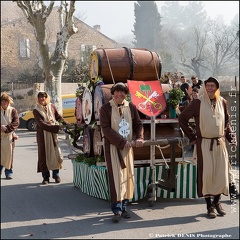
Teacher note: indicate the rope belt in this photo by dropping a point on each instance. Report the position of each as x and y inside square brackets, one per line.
[212, 141]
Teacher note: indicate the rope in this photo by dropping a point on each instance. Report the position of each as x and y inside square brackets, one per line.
[180, 144]
[164, 146]
[109, 66]
[167, 166]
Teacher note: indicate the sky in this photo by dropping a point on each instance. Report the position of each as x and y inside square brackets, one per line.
[116, 18]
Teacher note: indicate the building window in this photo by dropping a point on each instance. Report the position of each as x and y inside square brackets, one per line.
[24, 48]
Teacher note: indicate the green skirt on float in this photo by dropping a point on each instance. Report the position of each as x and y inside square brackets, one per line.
[93, 181]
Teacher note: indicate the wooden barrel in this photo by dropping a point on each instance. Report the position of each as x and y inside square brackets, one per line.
[163, 131]
[146, 65]
[97, 137]
[78, 110]
[88, 141]
[102, 94]
[124, 63]
[87, 106]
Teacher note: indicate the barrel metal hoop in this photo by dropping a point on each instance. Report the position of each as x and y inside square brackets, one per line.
[131, 62]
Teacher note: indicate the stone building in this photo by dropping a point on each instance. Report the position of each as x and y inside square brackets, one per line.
[19, 50]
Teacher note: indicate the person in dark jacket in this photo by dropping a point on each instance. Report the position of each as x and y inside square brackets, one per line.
[196, 83]
[184, 87]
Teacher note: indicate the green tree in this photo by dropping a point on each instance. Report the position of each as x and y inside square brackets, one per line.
[147, 26]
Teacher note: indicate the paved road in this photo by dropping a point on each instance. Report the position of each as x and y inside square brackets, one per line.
[30, 210]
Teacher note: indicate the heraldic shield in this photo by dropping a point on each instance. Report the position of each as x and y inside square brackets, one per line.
[147, 96]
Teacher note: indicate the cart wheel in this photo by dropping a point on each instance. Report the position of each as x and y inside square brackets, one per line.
[150, 202]
[97, 137]
[87, 141]
[150, 193]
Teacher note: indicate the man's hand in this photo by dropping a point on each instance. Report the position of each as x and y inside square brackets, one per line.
[193, 142]
[127, 145]
[3, 128]
[62, 127]
[139, 143]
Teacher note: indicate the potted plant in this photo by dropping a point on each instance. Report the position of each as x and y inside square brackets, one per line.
[175, 97]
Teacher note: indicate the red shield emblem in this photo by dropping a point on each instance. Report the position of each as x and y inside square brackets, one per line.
[147, 96]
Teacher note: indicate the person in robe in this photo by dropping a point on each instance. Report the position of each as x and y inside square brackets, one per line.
[49, 123]
[212, 127]
[120, 124]
[9, 124]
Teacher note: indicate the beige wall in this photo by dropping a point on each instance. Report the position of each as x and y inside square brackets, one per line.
[11, 63]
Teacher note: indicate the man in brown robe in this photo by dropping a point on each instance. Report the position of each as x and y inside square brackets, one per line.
[9, 123]
[119, 121]
[49, 152]
[212, 127]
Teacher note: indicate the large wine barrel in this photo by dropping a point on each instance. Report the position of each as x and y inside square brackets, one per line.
[102, 94]
[87, 106]
[123, 64]
[163, 131]
[97, 137]
[78, 110]
[88, 141]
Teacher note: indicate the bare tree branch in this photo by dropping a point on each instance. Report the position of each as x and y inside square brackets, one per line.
[37, 13]
[49, 9]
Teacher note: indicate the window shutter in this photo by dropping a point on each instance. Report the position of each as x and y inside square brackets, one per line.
[82, 47]
[22, 48]
[27, 48]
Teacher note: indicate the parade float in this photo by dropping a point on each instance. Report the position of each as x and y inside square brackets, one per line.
[161, 167]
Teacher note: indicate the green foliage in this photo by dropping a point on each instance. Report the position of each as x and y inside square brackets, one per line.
[175, 97]
[80, 73]
[89, 160]
[81, 87]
